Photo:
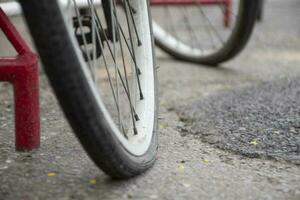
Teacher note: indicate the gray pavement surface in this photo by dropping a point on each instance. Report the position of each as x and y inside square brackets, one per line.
[192, 101]
[257, 121]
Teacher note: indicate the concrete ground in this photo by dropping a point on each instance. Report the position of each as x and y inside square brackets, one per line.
[205, 152]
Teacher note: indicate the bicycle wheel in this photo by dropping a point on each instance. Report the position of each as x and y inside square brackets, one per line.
[203, 31]
[99, 60]
[260, 12]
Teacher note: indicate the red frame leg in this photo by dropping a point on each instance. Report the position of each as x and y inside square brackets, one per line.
[22, 72]
[227, 13]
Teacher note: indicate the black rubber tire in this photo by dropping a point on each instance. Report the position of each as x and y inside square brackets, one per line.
[63, 69]
[260, 13]
[235, 44]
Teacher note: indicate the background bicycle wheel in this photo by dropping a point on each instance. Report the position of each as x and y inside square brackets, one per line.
[221, 30]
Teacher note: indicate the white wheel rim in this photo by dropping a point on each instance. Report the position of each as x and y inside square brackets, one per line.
[204, 14]
[138, 144]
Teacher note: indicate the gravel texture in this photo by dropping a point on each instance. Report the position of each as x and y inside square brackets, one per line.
[258, 121]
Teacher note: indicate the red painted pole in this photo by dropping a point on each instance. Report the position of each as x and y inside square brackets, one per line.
[227, 12]
[22, 72]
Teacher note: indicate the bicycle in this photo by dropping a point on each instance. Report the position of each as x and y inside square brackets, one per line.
[191, 30]
[260, 13]
[100, 63]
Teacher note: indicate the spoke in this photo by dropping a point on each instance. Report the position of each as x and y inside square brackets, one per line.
[130, 8]
[97, 21]
[81, 29]
[97, 39]
[209, 31]
[223, 10]
[171, 25]
[132, 48]
[210, 23]
[189, 27]
[104, 59]
[115, 63]
[109, 47]
[166, 16]
[128, 47]
[107, 42]
[94, 45]
[131, 54]
[133, 113]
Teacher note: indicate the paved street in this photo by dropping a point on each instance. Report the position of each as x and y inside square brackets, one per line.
[225, 133]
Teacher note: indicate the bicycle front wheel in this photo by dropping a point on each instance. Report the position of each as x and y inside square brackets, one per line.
[100, 63]
[203, 31]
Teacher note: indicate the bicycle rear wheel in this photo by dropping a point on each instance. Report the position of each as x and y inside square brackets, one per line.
[203, 31]
[100, 63]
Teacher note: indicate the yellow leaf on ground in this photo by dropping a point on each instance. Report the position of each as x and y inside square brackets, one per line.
[181, 167]
[254, 142]
[206, 161]
[93, 181]
[186, 185]
[162, 126]
[51, 174]
[129, 196]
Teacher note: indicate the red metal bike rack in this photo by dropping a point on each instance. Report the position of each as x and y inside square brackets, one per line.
[22, 72]
[226, 3]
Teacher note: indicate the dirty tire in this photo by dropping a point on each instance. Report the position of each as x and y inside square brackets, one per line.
[63, 68]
